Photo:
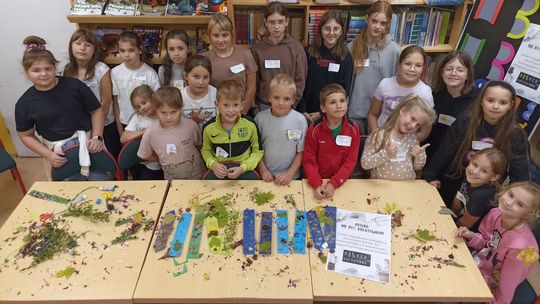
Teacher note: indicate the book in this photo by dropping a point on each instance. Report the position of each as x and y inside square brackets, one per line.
[182, 7]
[87, 7]
[284, 1]
[151, 39]
[152, 7]
[444, 27]
[202, 40]
[121, 7]
[211, 7]
[108, 39]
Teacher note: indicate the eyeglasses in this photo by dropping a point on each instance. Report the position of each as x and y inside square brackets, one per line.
[454, 70]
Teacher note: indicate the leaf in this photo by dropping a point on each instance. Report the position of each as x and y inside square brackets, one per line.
[528, 255]
[206, 276]
[424, 235]
[67, 273]
[260, 198]
[391, 208]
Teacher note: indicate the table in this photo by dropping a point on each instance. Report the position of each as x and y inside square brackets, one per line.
[100, 272]
[413, 277]
[228, 279]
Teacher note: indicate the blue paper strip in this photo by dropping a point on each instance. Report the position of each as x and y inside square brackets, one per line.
[315, 230]
[282, 222]
[330, 226]
[299, 239]
[178, 241]
[265, 241]
[248, 242]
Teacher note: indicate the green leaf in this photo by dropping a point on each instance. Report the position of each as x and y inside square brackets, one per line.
[259, 197]
[67, 273]
[424, 235]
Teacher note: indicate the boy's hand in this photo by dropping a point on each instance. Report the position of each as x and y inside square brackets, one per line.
[56, 159]
[435, 183]
[235, 172]
[267, 176]
[465, 233]
[329, 190]
[319, 193]
[219, 169]
[416, 150]
[283, 179]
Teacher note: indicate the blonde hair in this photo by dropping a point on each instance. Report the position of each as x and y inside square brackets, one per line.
[283, 80]
[169, 96]
[142, 91]
[533, 189]
[223, 22]
[497, 160]
[230, 90]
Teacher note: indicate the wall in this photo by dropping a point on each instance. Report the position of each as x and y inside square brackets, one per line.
[44, 18]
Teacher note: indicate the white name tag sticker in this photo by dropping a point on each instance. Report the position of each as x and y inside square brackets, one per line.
[333, 67]
[400, 156]
[461, 197]
[238, 68]
[446, 119]
[480, 145]
[272, 64]
[343, 140]
[294, 134]
[366, 63]
[179, 84]
[221, 153]
[171, 149]
[139, 77]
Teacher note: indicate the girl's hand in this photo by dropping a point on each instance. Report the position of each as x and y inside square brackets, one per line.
[56, 159]
[435, 183]
[235, 172]
[198, 115]
[283, 179]
[319, 193]
[465, 233]
[267, 176]
[329, 190]
[94, 145]
[219, 169]
[391, 151]
[417, 151]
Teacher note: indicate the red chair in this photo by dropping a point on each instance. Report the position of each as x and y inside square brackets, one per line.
[7, 162]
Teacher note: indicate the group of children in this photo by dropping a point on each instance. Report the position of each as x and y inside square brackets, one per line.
[280, 113]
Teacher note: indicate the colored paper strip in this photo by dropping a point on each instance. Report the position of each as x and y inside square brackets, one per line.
[282, 223]
[165, 230]
[196, 236]
[315, 230]
[178, 241]
[248, 242]
[330, 226]
[49, 197]
[265, 241]
[299, 238]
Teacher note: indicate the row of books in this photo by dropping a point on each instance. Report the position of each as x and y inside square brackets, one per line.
[249, 25]
[148, 7]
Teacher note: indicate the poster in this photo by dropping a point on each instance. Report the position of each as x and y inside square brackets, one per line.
[523, 73]
[362, 245]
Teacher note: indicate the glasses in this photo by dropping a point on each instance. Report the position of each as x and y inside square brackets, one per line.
[277, 22]
[450, 70]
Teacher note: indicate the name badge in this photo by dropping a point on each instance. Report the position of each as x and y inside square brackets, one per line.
[394, 104]
[171, 149]
[294, 134]
[461, 197]
[446, 119]
[480, 145]
[272, 64]
[366, 63]
[179, 84]
[139, 77]
[333, 67]
[221, 153]
[238, 68]
[400, 156]
[343, 140]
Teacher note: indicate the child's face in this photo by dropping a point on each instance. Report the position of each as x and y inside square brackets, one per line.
[331, 31]
[276, 25]
[169, 117]
[281, 99]
[335, 106]
[454, 74]
[221, 40]
[516, 203]
[42, 74]
[496, 102]
[229, 109]
[479, 171]
[377, 24]
[129, 53]
[198, 79]
[177, 50]
[143, 106]
[410, 69]
[409, 122]
[82, 50]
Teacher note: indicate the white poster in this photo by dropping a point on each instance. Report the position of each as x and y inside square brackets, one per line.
[362, 245]
[524, 73]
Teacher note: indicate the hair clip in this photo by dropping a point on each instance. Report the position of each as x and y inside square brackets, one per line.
[33, 47]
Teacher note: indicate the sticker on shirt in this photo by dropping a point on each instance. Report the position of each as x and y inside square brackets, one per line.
[272, 64]
[238, 68]
[171, 149]
[394, 104]
[221, 152]
[446, 119]
[461, 197]
[366, 63]
[343, 140]
[179, 84]
[480, 145]
[294, 134]
[140, 78]
[333, 67]
[401, 155]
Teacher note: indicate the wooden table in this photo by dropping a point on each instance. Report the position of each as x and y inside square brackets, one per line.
[414, 277]
[104, 272]
[228, 279]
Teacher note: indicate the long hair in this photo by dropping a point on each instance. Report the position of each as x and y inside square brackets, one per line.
[533, 189]
[72, 68]
[36, 51]
[135, 40]
[465, 59]
[167, 65]
[359, 46]
[340, 49]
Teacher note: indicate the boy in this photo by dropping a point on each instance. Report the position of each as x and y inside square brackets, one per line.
[331, 145]
[231, 136]
[282, 133]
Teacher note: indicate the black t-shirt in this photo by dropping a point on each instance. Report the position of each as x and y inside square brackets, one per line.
[57, 113]
[478, 200]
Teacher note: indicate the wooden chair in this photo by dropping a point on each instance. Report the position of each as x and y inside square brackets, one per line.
[7, 162]
[101, 161]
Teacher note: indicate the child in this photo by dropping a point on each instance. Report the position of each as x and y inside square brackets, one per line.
[375, 57]
[489, 122]
[229, 61]
[282, 133]
[231, 136]
[453, 92]
[391, 90]
[173, 141]
[132, 73]
[85, 55]
[506, 247]
[199, 96]
[393, 151]
[331, 144]
[473, 200]
[171, 73]
[277, 53]
[329, 61]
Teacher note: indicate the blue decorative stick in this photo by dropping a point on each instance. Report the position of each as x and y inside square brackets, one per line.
[299, 239]
[315, 230]
[248, 242]
[178, 241]
[330, 226]
[282, 223]
[265, 241]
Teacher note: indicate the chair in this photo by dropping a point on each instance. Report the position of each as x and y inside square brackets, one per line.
[249, 175]
[128, 155]
[7, 162]
[101, 161]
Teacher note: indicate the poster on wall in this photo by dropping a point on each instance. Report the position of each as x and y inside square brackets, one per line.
[362, 246]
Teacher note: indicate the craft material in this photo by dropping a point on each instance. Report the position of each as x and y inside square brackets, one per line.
[260, 197]
[316, 231]
[86, 211]
[178, 241]
[212, 229]
[330, 226]
[265, 241]
[299, 238]
[49, 197]
[249, 231]
[165, 230]
[196, 236]
[282, 223]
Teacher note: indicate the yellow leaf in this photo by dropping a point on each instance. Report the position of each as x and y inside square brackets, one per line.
[137, 218]
[528, 256]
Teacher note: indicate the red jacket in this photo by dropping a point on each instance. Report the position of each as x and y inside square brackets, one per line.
[323, 158]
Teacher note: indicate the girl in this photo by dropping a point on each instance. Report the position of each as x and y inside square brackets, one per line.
[506, 247]
[133, 72]
[277, 53]
[454, 91]
[329, 61]
[407, 81]
[375, 57]
[473, 200]
[489, 122]
[85, 64]
[173, 141]
[171, 73]
[229, 61]
[199, 96]
[393, 151]
[55, 107]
